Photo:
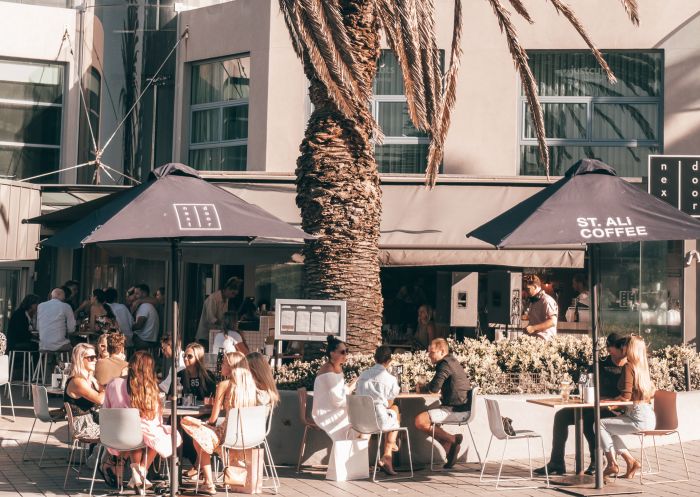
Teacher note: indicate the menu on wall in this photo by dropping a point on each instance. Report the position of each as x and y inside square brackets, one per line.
[309, 320]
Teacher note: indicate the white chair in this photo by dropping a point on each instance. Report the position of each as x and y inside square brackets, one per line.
[77, 443]
[473, 393]
[5, 380]
[40, 371]
[273, 469]
[363, 419]
[120, 429]
[497, 431]
[40, 400]
[307, 421]
[27, 368]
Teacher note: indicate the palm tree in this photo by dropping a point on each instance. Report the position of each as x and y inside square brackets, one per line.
[338, 188]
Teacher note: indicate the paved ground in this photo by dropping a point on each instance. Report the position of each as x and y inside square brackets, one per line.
[29, 480]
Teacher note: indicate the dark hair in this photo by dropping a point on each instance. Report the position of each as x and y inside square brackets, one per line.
[161, 289]
[166, 340]
[110, 295]
[144, 288]
[581, 278]
[233, 283]
[532, 279]
[28, 301]
[616, 340]
[102, 299]
[382, 354]
[66, 292]
[332, 343]
[71, 283]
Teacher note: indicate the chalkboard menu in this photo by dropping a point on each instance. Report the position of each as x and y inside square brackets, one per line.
[309, 320]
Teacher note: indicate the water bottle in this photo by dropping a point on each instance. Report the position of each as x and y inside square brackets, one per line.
[178, 390]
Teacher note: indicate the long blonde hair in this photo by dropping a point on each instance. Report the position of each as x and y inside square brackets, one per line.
[79, 352]
[200, 371]
[262, 373]
[242, 390]
[142, 386]
[642, 387]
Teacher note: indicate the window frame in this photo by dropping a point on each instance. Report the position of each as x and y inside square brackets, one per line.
[590, 103]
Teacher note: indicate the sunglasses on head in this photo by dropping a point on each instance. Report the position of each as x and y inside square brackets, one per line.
[91, 358]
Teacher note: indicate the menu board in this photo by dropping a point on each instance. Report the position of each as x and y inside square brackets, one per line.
[309, 320]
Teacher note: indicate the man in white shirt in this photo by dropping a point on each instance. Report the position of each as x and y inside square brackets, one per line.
[124, 318]
[542, 311]
[55, 321]
[214, 308]
[146, 326]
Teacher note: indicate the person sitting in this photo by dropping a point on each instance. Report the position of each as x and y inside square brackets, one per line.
[22, 323]
[166, 348]
[123, 315]
[635, 385]
[102, 319]
[229, 339]
[329, 407]
[101, 347]
[195, 378]
[378, 383]
[610, 371]
[55, 321]
[236, 390]
[114, 365]
[264, 380]
[425, 330]
[453, 384]
[147, 323]
[82, 392]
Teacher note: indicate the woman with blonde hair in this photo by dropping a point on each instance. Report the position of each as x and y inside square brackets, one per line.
[82, 393]
[635, 385]
[425, 329]
[195, 378]
[264, 380]
[237, 390]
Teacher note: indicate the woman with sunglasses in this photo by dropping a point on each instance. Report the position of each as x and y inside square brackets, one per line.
[195, 378]
[82, 393]
[329, 409]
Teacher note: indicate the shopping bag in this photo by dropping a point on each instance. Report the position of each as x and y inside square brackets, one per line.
[349, 460]
[245, 471]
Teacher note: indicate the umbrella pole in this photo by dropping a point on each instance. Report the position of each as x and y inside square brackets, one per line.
[175, 339]
[594, 285]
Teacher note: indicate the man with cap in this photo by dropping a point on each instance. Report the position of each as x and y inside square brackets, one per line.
[610, 371]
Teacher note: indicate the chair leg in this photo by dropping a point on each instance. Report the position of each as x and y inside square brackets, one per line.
[410, 455]
[486, 457]
[500, 467]
[12, 404]
[544, 458]
[273, 469]
[529, 458]
[70, 462]
[471, 435]
[94, 470]
[46, 441]
[301, 449]
[29, 440]
[376, 459]
[685, 461]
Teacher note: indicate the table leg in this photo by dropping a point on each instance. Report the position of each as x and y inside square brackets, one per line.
[578, 431]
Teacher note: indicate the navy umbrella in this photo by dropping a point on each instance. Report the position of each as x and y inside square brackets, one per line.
[589, 205]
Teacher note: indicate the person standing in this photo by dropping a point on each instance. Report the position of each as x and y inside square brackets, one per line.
[146, 324]
[214, 308]
[22, 323]
[452, 383]
[102, 319]
[55, 321]
[542, 310]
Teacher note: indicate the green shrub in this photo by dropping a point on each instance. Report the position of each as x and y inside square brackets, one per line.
[524, 365]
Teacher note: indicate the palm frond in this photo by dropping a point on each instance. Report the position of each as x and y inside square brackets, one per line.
[411, 65]
[520, 9]
[288, 8]
[334, 18]
[632, 10]
[430, 58]
[519, 56]
[570, 16]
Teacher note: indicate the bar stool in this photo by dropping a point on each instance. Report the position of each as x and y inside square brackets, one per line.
[41, 365]
[27, 368]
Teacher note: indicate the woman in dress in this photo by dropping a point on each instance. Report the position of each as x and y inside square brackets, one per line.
[264, 380]
[82, 393]
[425, 331]
[237, 390]
[382, 387]
[329, 407]
[195, 378]
[635, 385]
[102, 319]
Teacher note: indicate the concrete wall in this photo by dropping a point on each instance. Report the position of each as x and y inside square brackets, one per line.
[287, 430]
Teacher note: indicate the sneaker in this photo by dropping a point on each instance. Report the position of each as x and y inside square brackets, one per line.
[590, 470]
[551, 470]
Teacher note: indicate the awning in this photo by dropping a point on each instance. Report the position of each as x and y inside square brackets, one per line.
[423, 227]
[18, 201]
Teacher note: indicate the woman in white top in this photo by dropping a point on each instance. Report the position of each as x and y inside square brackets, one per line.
[377, 382]
[229, 339]
[329, 407]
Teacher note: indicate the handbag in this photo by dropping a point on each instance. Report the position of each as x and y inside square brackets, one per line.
[235, 476]
[508, 426]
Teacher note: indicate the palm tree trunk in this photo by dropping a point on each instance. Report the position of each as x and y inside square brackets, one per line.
[339, 195]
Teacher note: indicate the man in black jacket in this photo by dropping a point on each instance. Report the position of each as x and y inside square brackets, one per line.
[452, 383]
[610, 372]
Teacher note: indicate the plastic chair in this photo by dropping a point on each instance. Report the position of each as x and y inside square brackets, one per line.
[473, 393]
[40, 401]
[77, 442]
[363, 419]
[27, 368]
[497, 431]
[120, 429]
[666, 424]
[307, 421]
[275, 477]
[5, 380]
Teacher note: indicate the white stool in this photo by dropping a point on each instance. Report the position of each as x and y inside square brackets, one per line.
[27, 367]
[41, 365]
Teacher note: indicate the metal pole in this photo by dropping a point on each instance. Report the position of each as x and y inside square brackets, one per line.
[594, 280]
[175, 339]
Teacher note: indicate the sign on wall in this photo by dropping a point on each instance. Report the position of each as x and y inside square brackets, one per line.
[309, 320]
[675, 179]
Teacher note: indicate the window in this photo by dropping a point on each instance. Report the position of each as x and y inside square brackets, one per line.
[219, 115]
[31, 109]
[405, 149]
[586, 116]
[92, 89]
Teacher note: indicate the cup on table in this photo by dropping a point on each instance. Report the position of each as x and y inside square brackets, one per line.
[564, 389]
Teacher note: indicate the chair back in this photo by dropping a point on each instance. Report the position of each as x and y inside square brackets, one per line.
[246, 427]
[473, 395]
[303, 401]
[665, 410]
[495, 420]
[40, 401]
[4, 369]
[69, 418]
[361, 414]
[120, 428]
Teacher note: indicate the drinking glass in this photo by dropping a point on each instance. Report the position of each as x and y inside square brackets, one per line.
[564, 389]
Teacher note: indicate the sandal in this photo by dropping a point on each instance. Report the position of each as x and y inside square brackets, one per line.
[208, 490]
[191, 473]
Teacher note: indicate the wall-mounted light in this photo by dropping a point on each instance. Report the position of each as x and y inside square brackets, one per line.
[693, 254]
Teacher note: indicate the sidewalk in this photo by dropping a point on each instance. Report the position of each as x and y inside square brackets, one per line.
[28, 480]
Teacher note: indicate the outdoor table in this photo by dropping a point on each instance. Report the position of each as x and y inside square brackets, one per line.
[408, 416]
[578, 405]
[198, 411]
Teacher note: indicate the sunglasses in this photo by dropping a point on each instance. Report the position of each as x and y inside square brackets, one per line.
[91, 358]
[342, 352]
[189, 356]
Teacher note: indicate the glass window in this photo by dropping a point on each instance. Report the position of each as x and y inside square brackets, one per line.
[587, 116]
[405, 149]
[219, 115]
[92, 88]
[31, 109]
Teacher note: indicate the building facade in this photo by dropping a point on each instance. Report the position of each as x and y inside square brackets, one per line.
[216, 85]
